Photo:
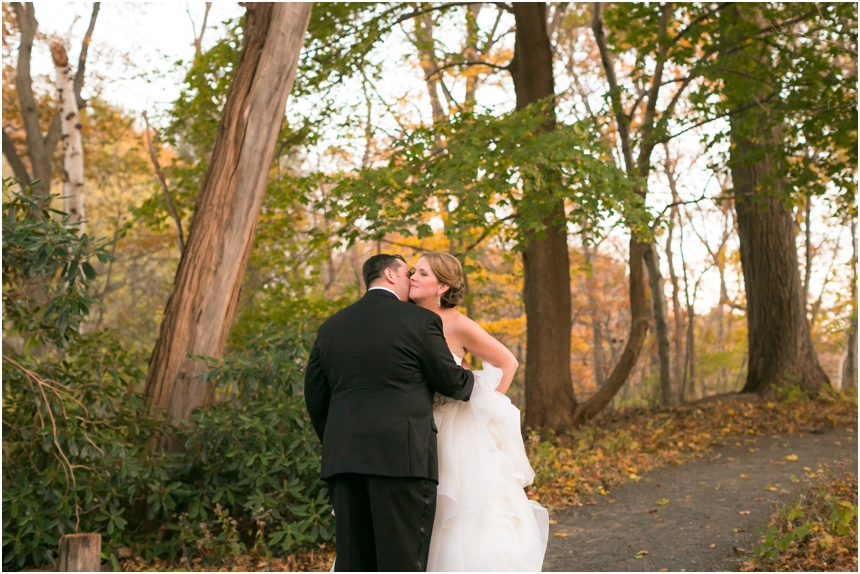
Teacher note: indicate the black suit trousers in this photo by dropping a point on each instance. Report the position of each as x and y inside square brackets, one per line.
[383, 523]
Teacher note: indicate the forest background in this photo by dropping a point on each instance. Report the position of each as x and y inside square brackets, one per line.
[600, 171]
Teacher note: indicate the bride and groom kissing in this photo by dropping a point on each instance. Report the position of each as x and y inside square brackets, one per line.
[423, 457]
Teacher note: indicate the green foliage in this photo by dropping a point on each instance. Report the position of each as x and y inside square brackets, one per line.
[785, 66]
[340, 37]
[46, 270]
[76, 437]
[76, 457]
[255, 449]
[496, 175]
[73, 456]
[775, 542]
[792, 526]
[764, 65]
[194, 120]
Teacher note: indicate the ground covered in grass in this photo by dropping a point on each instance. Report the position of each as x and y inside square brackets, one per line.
[619, 447]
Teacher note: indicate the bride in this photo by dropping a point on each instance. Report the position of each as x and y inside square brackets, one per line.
[484, 521]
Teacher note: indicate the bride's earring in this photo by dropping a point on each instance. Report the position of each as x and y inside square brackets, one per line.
[439, 300]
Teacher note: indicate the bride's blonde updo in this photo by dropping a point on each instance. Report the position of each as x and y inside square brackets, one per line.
[448, 271]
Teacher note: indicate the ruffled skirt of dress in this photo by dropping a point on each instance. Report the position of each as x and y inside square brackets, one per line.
[484, 521]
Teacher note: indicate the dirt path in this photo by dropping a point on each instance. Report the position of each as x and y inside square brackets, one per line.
[712, 514]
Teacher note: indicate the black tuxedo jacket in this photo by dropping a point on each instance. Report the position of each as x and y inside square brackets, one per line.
[369, 388]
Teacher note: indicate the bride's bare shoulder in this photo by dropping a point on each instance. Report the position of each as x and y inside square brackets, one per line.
[464, 324]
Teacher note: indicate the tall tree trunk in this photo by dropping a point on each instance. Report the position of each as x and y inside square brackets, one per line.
[73, 148]
[426, 45]
[40, 148]
[594, 311]
[661, 324]
[638, 331]
[678, 316]
[849, 365]
[807, 244]
[640, 169]
[780, 344]
[688, 340]
[549, 397]
[206, 290]
[470, 52]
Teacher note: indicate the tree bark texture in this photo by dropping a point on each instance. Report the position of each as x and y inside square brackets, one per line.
[429, 65]
[549, 397]
[641, 168]
[849, 365]
[73, 147]
[590, 254]
[638, 331]
[780, 343]
[661, 323]
[206, 289]
[677, 364]
[39, 148]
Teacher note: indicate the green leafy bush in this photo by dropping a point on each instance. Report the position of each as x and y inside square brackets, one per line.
[76, 458]
[77, 433]
[46, 269]
[73, 448]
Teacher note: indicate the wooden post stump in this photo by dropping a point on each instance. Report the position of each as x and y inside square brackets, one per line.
[80, 553]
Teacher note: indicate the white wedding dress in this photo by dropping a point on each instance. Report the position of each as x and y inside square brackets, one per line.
[484, 521]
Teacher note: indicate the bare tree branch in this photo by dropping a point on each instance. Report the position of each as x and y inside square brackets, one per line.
[623, 120]
[651, 107]
[724, 115]
[487, 231]
[171, 207]
[15, 162]
[555, 20]
[455, 64]
[25, 15]
[82, 59]
[491, 37]
[198, 38]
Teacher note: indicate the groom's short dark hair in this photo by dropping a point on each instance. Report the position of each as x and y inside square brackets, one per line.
[376, 265]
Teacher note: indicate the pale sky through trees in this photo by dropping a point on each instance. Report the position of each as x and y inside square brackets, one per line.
[136, 44]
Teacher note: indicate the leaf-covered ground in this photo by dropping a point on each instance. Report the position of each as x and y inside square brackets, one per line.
[619, 447]
[817, 532]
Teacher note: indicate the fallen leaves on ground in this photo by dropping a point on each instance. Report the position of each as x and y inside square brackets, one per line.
[614, 449]
[318, 559]
[817, 533]
[571, 470]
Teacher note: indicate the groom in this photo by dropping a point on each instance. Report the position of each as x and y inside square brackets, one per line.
[369, 390]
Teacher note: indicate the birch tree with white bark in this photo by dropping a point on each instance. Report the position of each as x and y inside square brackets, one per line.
[73, 147]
